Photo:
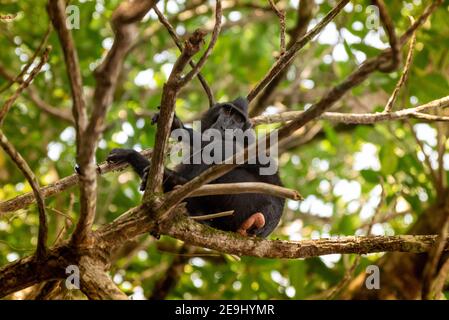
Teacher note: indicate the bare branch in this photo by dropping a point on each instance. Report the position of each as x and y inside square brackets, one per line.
[31, 178]
[389, 27]
[281, 16]
[63, 114]
[185, 229]
[19, 77]
[169, 94]
[56, 11]
[96, 284]
[213, 215]
[124, 22]
[215, 33]
[284, 61]
[172, 32]
[305, 12]
[440, 280]
[9, 102]
[430, 271]
[59, 186]
[420, 21]
[362, 118]
[246, 187]
[33, 95]
[403, 77]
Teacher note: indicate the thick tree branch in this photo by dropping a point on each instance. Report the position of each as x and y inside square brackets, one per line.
[201, 235]
[56, 11]
[124, 23]
[168, 100]
[96, 284]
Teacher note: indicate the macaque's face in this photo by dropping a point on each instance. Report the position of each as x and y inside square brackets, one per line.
[228, 118]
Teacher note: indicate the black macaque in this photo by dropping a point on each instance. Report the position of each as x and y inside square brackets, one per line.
[254, 214]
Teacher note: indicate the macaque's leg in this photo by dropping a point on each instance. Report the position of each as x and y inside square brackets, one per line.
[255, 221]
[171, 179]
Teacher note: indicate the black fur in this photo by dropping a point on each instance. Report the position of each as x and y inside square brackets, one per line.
[222, 116]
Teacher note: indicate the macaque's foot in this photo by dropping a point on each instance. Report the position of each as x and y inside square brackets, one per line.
[119, 155]
[143, 184]
[255, 221]
[176, 124]
[155, 118]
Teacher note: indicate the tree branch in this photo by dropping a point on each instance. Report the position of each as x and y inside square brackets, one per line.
[124, 23]
[20, 162]
[246, 187]
[281, 15]
[9, 102]
[193, 233]
[169, 94]
[174, 36]
[362, 118]
[59, 186]
[96, 284]
[389, 27]
[404, 75]
[215, 33]
[305, 11]
[284, 61]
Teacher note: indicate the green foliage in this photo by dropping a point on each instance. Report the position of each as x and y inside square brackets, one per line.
[339, 171]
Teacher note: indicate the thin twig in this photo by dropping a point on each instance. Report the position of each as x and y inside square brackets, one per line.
[59, 186]
[281, 16]
[432, 172]
[20, 162]
[404, 75]
[19, 77]
[304, 15]
[440, 280]
[213, 215]
[362, 118]
[285, 59]
[215, 33]
[246, 187]
[392, 38]
[33, 95]
[174, 36]
[9, 102]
